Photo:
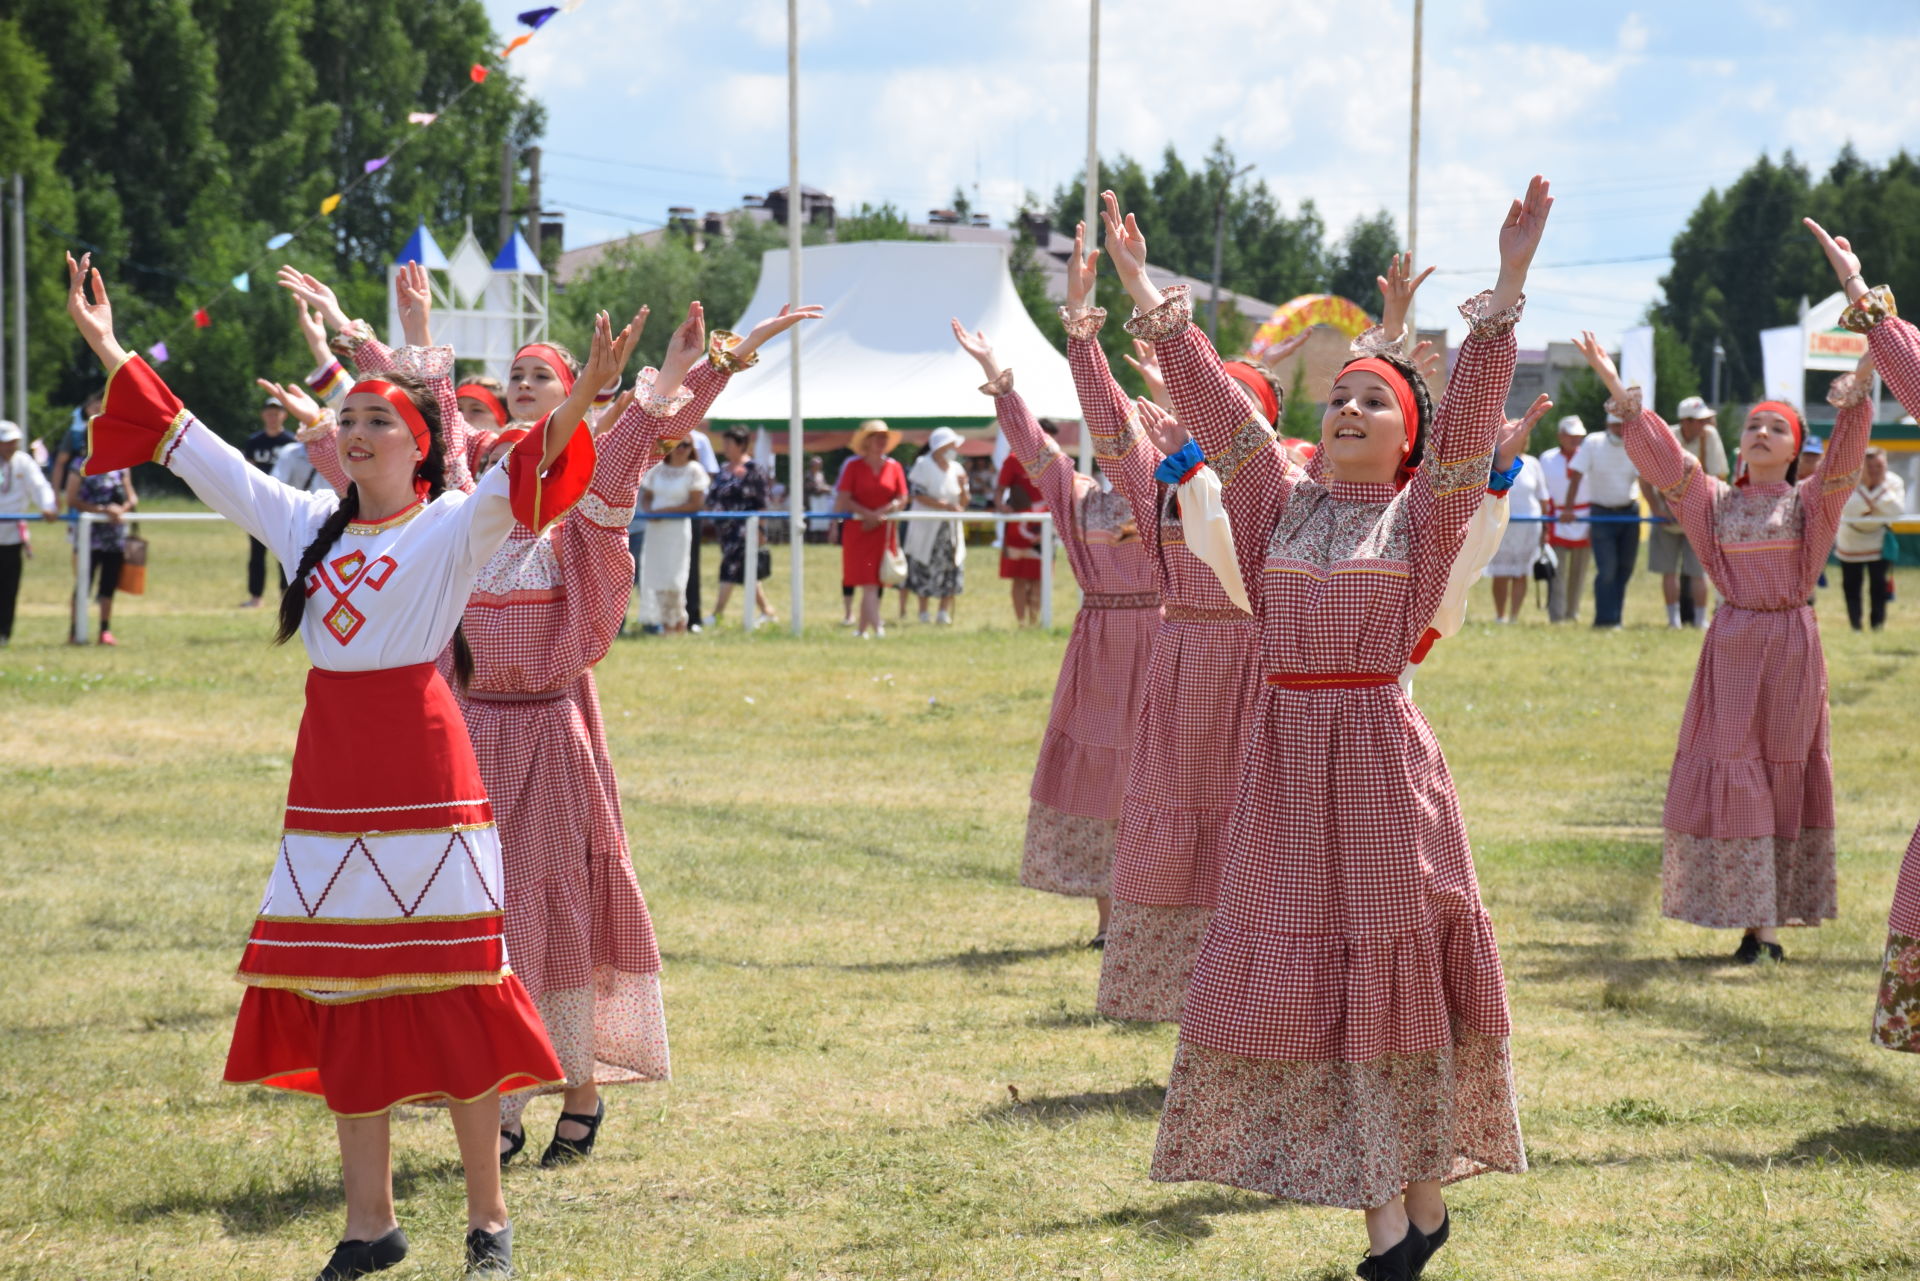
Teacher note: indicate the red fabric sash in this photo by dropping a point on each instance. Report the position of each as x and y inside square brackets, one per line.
[1330, 680]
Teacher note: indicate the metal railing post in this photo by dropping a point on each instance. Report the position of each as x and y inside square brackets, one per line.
[749, 574]
[82, 572]
[1046, 573]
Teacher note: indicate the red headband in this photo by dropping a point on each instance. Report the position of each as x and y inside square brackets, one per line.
[474, 391]
[409, 412]
[550, 354]
[1253, 380]
[1787, 412]
[1402, 393]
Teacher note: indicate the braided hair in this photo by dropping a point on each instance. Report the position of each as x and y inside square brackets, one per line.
[433, 470]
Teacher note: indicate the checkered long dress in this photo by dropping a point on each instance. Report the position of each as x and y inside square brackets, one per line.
[1171, 843]
[1081, 775]
[542, 614]
[1749, 813]
[1346, 1029]
[1896, 1020]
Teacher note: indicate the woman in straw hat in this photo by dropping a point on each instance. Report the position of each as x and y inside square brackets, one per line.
[872, 488]
[1081, 777]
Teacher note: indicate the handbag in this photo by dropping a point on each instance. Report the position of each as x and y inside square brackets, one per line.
[133, 565]
[1546, 565]
[893, 566]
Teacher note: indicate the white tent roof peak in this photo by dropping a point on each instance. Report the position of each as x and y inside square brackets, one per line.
[885, 349]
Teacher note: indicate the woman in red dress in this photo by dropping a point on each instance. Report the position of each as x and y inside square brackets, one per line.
[872, 487]
[1020, 539]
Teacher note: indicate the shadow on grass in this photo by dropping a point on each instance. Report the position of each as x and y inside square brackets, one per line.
[971, 959]
[1869, 1143]
[1066, 1020]
[265, 1204]
[1187, 1219]
[1144, 1100]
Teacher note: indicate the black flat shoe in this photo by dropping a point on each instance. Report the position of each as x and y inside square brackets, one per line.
[1435, 1239]
[363, 1258]
[562, 1151]
[515, 1141]
[1749, 950]
[1396, 1264]
[490, 1254]
[1775, 952]
[1098, 942]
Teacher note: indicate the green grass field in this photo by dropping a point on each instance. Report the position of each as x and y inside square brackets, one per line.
[886, 1059]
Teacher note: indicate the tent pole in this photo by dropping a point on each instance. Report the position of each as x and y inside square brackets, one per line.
[796, 502]
[1089, 208]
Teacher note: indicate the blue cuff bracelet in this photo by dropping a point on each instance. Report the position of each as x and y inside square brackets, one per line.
[1174, 467]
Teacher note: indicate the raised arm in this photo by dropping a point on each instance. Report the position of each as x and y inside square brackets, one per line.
[1663, 463]
[1108, 412]
[1824, 495]
[1047, 466]
[1893, 343]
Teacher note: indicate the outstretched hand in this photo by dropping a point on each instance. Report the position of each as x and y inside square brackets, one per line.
[1147, 365]
[94, 319]
[1428, 359]
[310, 290]
[1520, 233]
[607, 359]
[1840, 256]
[773, 326]
[684, 349]
[413, 298]
[1083, 271]
[1602, 363]
[977, 345]
[1287, 346]
[1161, 427]
[1397, 289]
[1510, 441]
[300, 406]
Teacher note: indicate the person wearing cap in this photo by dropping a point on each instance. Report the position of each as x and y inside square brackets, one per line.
[263, 451]
[1604, 474]
[1669, 554]
[1569, 538]
[936, 550]
[1861, 544]
[1749, 809]
[22, 486]
[872, 487]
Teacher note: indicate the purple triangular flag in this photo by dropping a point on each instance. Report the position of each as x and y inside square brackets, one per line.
[159, 353]
[372, 165]
[534, 17]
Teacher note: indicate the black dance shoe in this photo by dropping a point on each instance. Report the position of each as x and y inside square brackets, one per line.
[363, 1258]
[1749, 950]
[564, 1151]
[1435, 1239]
[1775, 952]
[490, 1254]
[515, 1141]
[1098, 942]
[1396, 1264]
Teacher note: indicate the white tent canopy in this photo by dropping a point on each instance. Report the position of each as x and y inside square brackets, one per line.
[884, 348]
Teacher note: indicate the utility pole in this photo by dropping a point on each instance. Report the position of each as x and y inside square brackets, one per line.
[1413, 146]
[3, 336]
[533, 200]
[19, 303]
[506, 193]
[1719, 361]
[1090, 206]
[796, 434]
[1219, 239]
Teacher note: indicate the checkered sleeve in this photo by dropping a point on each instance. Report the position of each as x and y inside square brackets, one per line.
[1047, 467]
[323, 451]
[1824, 495]
[1256, 475]
[1692, 496]
[1896, 354]
[1446, 490]
[1119, 444]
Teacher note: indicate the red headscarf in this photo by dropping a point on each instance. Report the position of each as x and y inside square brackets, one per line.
[1787, 412]
[1402, 396]
[1250, 377]
[401, 404]
[551, 355]
[474, 391]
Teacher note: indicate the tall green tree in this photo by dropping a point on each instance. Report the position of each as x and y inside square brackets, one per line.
[1364, 254]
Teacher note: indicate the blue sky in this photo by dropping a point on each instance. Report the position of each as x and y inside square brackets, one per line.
[1633, 112]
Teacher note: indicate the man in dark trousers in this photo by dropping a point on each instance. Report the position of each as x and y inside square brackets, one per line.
[263, 450]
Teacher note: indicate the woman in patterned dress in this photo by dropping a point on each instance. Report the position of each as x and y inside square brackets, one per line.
[937, 549]
[1344, 1039]
[543, 612]
[1895, 348]
[376, 971]
[741, 485]
[1749, 811]
[1080, 779]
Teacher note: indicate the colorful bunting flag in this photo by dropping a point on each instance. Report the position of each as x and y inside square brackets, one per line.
[373, 165]
[201, 319]
[243, 283]
[513, 44]
[422, 117]
[158, 353]
[477, 74]
[330, 204]
[534, 17]
[280, 241]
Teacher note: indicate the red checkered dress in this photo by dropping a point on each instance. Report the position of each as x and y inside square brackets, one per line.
[542, 614]
[1170, 846]
[1081, 776]
[1749, 813]
[1896, 1021]
[1346, 1029]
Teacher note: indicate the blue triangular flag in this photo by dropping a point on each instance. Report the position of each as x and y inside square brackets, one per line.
[280, 241]
[243, 283]
[534, 17]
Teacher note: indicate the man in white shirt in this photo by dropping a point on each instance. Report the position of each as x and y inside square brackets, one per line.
[1567, 536]
[1669, 554]
[22, 489]
[1861, 546]
[1611, 483]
